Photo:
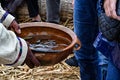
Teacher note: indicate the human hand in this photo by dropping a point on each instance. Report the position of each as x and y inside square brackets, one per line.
[73, 3]
[31, 60]
[110, 9]
[14, 25]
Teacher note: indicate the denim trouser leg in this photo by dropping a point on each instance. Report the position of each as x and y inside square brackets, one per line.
[113, 73]
[86, 28]
[103, 71]
[103, 63]
[53, 11]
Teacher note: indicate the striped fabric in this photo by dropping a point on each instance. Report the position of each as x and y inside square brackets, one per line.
[20, 53]
[4, 17]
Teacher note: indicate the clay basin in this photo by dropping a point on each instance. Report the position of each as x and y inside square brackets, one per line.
[49, 31]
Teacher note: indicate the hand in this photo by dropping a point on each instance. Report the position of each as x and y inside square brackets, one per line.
[31, 60]
[110, 8]
[14, 25]
[73, 3]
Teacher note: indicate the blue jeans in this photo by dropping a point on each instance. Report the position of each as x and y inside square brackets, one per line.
[103, 64]
[53, 11]
[86, 28]
[113, 73]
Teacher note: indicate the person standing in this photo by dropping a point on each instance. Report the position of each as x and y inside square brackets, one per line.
[33, 10]
[86, 28]
[112, 47]
[53, 11]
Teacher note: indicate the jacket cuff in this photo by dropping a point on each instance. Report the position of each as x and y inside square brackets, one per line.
[8, 20]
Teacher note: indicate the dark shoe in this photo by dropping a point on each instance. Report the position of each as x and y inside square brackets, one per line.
[72, 61]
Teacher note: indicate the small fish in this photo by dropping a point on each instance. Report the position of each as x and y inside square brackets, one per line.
[45, 50]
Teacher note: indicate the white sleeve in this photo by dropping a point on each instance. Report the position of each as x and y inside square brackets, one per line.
[13, 50]
[5, 17]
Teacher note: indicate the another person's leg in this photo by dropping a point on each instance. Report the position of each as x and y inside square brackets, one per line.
[86, 28]
[103, 63]
[33, 9]
[53, 11]
[13, 5]
[113, 73]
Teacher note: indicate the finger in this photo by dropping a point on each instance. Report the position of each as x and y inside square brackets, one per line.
[108, 12]
[114, 15]
[118, 18]
[107, 8]
[113, 11]
[73, 3]
[17, 29]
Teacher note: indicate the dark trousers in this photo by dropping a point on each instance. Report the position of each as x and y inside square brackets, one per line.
[11, 5]
[52, 9]
[33, 7]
